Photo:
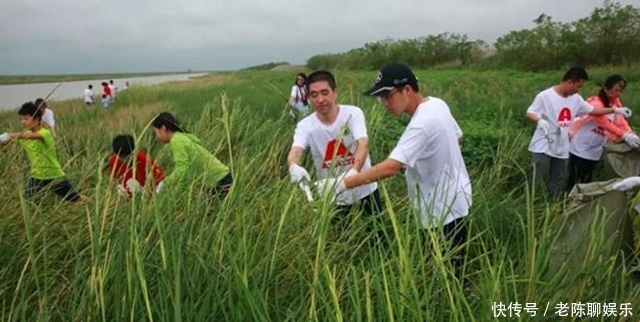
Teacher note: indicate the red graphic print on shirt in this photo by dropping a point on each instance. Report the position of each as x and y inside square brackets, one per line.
[564, 117]
[338, 154]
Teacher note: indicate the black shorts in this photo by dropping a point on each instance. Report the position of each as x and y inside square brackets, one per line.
[61, 187]
[222, 189]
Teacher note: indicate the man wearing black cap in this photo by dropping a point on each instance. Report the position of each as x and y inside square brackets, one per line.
[437, 179]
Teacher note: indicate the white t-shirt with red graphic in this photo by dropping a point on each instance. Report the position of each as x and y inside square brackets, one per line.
[559, 112]
[437, 179]
[333, 147]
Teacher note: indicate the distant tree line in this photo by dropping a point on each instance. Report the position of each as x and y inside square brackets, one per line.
[266, 66]
[609, 36]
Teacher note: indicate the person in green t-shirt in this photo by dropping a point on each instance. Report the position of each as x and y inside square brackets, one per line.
[38, 144]
[192, 162]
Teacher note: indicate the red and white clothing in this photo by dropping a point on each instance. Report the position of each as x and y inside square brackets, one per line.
[590, 132]
[333, 147]
[106, 90]
[144, 165]
[437, 179]
[300, 99]
[559, 112]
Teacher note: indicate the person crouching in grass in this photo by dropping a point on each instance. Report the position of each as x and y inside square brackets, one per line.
[130, 168]
[39, 146]
[190, 159]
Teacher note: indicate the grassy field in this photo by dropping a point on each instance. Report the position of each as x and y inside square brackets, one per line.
[30, 79]
[252, 257]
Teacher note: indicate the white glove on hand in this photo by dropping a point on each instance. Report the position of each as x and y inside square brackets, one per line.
[632, 139]
[133, 186]
[627, 184]
[298, 173]
[4, 138]
[326, 186]
[159, 187]
[625, 111]
[122, 191]
[336, 185]
[543, 126]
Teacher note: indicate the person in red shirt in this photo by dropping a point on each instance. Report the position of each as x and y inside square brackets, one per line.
[106, 91]
[121, 166]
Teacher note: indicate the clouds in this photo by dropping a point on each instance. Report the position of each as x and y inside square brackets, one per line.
[69, 36]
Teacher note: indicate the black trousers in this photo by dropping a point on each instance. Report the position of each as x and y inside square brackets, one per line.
[61, 187]
[370, 205]
[455, 238]
[580, 170]
[220, 191]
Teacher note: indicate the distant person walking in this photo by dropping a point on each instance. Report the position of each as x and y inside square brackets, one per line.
[114, 90]
[88, 95]
[299, 100]
[106, 93]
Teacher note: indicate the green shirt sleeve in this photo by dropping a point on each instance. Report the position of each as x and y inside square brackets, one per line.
[178, 150]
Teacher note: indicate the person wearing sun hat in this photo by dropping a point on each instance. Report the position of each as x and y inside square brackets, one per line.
[437, 179]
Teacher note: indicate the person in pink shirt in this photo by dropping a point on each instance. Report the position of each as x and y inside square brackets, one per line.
[589, 133]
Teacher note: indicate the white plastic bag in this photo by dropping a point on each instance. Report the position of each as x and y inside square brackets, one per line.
[4, 138]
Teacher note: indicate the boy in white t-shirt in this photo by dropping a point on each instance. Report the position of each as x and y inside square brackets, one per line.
[114, 90]
[554, 110]
[48, 119]
[88, 95]
[437, 178]
[338, 140]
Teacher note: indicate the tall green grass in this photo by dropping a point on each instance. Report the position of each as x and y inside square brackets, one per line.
[252, 257]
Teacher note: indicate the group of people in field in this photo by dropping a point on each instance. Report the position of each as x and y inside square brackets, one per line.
[569, 137]
[132, 169]
[109, 93]
[571, 132]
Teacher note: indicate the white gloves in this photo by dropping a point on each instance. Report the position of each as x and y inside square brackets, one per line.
[543, 126]
[122, 191]
[632, 139]
[130, 187]
[625, 111]
[627, 184]
[298, 173]
[4, 138]
[335, 185]
[133, 186]
[159, 187]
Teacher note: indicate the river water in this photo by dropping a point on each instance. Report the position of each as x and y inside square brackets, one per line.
[12, 96]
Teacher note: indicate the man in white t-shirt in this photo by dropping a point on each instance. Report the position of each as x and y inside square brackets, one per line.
[437, 180]
[48, 119]
[338, 140]
[114, 90]
[553, 110]
[88, 95]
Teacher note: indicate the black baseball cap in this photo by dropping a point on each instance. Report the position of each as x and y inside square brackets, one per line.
[390, 77]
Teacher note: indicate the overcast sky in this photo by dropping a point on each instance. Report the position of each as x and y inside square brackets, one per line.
[71, 36]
